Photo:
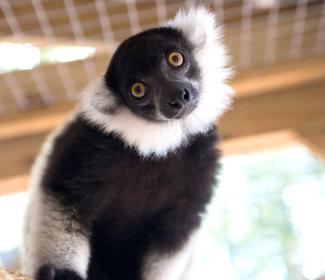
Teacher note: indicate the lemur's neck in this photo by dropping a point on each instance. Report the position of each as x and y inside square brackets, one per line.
[149, 138]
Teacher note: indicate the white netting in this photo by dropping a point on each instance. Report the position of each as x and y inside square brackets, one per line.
[257, 33]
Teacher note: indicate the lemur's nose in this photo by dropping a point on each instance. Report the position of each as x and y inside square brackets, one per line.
[180, 99]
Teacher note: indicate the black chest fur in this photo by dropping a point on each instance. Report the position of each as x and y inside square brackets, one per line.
[127, 203]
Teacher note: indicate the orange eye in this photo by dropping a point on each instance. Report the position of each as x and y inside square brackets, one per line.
[175, 59]
[138, 90]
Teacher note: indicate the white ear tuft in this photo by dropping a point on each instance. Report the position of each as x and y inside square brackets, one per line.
[198, 24]
[199, 27]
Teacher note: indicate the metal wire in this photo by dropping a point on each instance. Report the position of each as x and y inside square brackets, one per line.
[279, 32]
[63, 71]
[298, 32]
[219, 6]
[37, 76]
[133, 16]
[272, 31]
[161, 11]
[79, 35]
[245, 37]
[320, 37]
[16, 91]
[105, 22]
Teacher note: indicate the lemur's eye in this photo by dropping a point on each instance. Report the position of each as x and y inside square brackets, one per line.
[138, 90]
[175, 59]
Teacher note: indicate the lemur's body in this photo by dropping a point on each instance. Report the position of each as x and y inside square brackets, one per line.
[117, 196]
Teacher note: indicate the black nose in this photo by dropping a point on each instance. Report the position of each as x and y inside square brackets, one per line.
[178, 102]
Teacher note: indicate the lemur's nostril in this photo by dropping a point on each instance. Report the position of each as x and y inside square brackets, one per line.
[175, 105]
[186, 95]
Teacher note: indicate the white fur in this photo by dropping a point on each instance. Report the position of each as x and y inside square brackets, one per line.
[46, 238]
[146, 136]
[159, 266]
[157, 139]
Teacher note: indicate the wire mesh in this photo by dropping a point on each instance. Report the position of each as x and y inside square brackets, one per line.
[256, 32]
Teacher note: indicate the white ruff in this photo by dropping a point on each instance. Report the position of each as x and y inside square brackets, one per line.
[157, 139]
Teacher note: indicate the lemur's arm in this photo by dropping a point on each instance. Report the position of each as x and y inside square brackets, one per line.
[57, 248]
[166, 260]
[54, 246]
[170, 266]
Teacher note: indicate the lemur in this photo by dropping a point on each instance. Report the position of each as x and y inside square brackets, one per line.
[118, 190]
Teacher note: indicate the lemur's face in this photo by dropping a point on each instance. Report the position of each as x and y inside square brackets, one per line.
[155, 74]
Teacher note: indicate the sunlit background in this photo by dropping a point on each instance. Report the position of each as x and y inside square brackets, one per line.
[266, 219]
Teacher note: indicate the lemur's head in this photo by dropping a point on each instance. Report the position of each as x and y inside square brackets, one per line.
[164, 84]
[155, 74]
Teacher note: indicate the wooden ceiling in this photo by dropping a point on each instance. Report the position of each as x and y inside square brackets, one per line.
[278, 52]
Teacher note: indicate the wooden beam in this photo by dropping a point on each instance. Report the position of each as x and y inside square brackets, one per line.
[14, 184]
[259, 142]
[280, 76]
[35, 122]
[17, 155]
[288, 108]
[313, 136]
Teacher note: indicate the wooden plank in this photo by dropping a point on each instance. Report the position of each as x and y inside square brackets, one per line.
[289, 108]
[33, 122]
[259, 142]
[279, 76]
[14, 184]
[313, 136]
[17, 155]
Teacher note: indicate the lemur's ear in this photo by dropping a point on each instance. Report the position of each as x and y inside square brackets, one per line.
[198, 25]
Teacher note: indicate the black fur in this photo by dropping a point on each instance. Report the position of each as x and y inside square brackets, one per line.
[49, 272]
[128, 204]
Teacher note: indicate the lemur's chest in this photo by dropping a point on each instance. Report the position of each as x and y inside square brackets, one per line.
[139, 189]
[99, 178]
[142, 188]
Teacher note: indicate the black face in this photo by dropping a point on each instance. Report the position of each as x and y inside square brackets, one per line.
[154, 73]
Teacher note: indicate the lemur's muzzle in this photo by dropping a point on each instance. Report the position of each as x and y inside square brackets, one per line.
[177, 100]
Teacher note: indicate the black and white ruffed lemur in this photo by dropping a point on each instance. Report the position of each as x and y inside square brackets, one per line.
[118, 191]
